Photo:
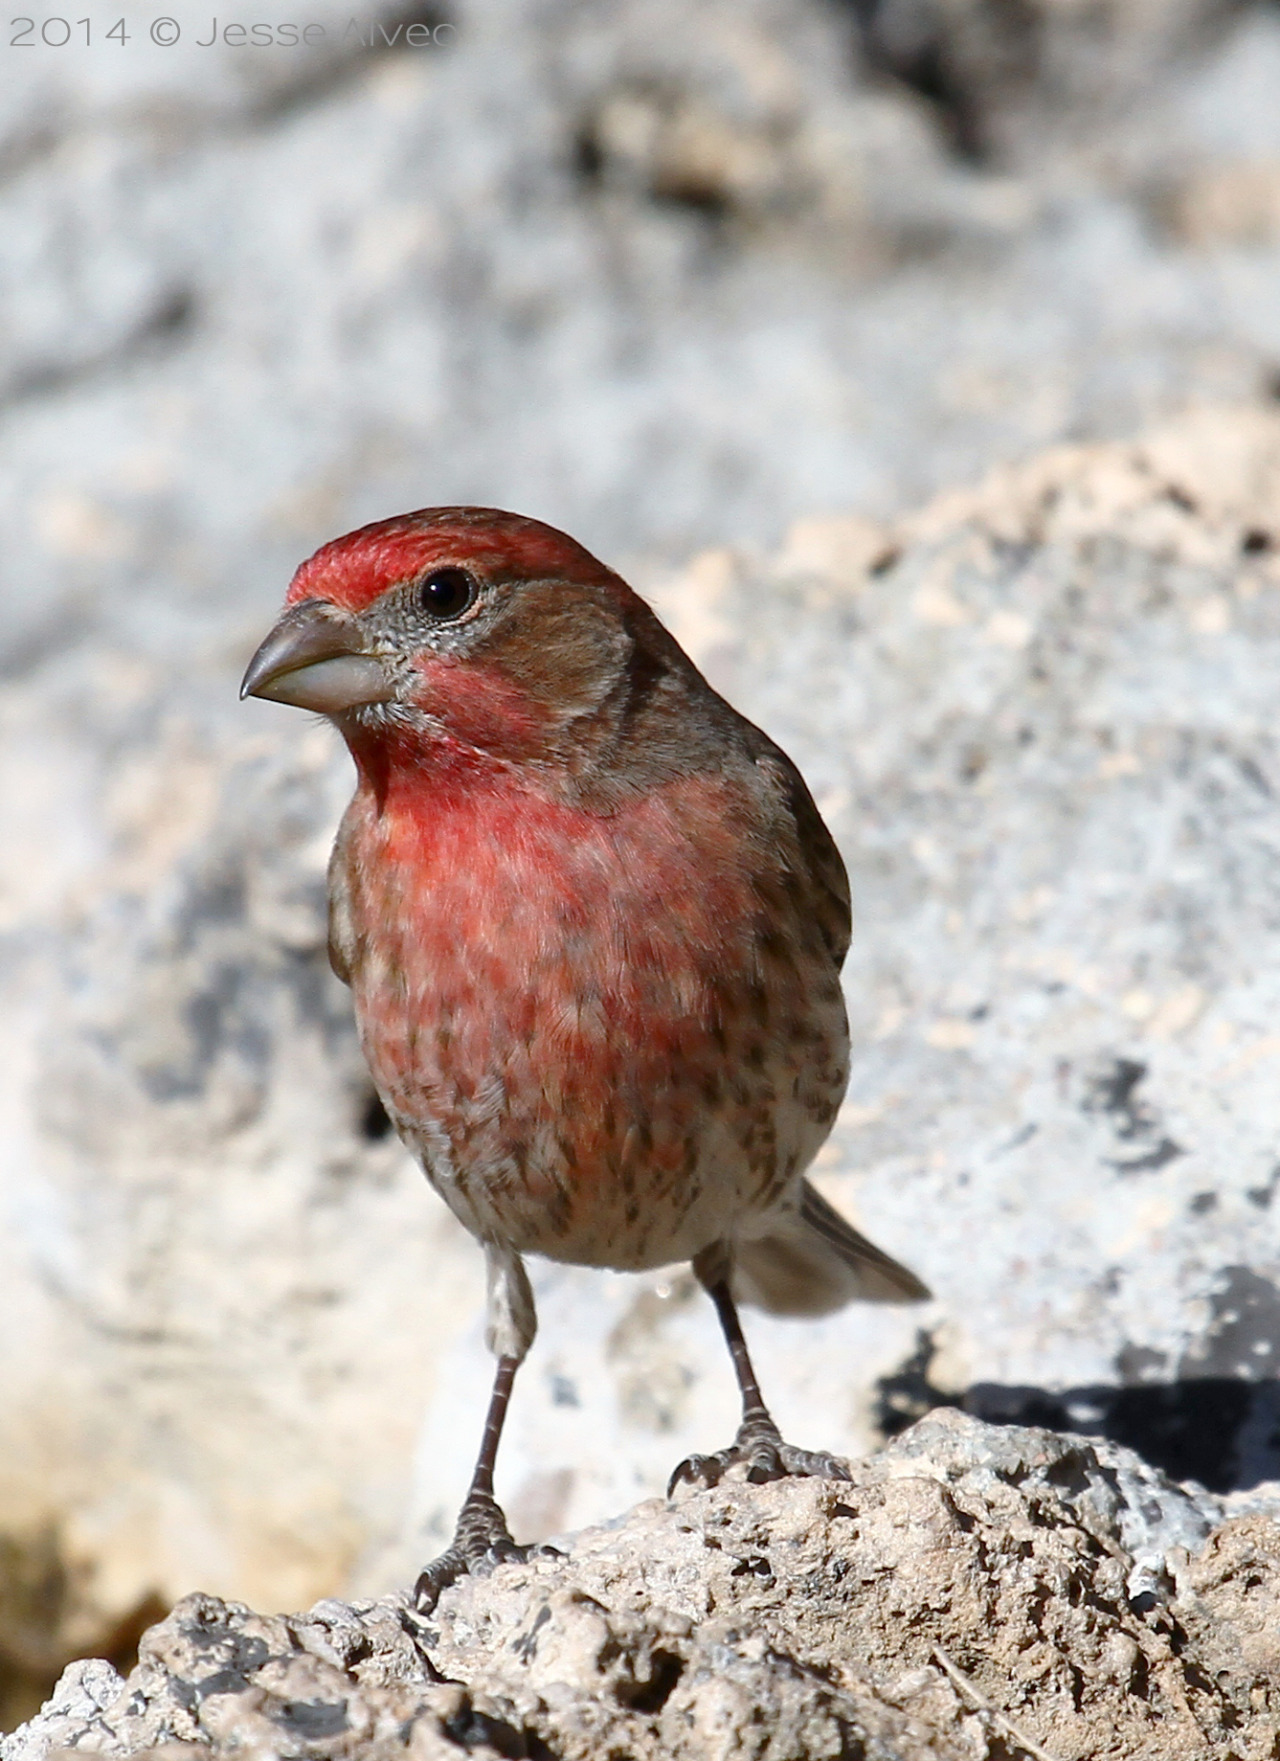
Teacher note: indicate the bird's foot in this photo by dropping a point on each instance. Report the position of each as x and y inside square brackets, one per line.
[481, 1541]
[759, 1451]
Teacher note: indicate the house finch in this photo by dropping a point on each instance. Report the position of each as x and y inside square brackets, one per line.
[593, 924]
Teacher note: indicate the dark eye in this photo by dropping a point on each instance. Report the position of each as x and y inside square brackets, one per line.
[446, 593]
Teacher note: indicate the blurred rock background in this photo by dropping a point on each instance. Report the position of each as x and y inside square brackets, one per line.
[744, 284]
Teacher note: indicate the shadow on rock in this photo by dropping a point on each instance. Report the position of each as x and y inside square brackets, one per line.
[1219, 1430]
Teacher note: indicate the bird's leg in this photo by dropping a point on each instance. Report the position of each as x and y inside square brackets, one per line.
[758, 1447]
[481, 1538]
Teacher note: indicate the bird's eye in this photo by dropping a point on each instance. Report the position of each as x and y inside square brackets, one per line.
[446, 593]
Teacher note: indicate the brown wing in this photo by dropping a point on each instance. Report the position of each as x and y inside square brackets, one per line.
[818, 861]
[341, 930]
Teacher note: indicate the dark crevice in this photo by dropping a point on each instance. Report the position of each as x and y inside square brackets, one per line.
[653, 1696]
[1159, 1156]
[695, 196]
[312, 1720]
[588, 156]
[909, 44]
[666, 182]
[375, 1121]
[1262, 1196]
[1114, 1091]
[472, 1729]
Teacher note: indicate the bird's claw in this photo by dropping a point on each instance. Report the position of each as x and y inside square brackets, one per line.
[813, 1464]
[759, 1451]
[697, 1470]
[481, 1543]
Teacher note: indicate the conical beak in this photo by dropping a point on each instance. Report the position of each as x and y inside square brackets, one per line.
[316, 658]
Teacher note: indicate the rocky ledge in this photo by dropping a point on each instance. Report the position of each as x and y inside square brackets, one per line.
[973, 1591]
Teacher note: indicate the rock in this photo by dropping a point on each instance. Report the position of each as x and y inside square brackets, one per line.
[998, 71]
[199, 1235]
[1047, 763]
[665, 283]
[671, 282]
[969, 1592]
[1038, 715]
[85, 1690]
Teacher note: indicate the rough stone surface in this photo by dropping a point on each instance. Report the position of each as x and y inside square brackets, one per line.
[669, 277]
[1040, 717]
[971, 1593]
[664, 279]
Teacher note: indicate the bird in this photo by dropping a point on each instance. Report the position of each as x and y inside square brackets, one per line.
[593, 923]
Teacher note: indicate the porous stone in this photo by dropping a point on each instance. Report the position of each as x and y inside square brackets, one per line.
[967, 1594]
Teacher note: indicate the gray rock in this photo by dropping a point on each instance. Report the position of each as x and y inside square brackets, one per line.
[965, 1594]
[1039, 716]
[85, 1690]
[663, 283]
[1000, 74]
[666, 283]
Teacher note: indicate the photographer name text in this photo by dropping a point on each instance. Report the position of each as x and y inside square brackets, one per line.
[165, 32]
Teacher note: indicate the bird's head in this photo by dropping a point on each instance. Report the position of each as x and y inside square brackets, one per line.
[462, 628]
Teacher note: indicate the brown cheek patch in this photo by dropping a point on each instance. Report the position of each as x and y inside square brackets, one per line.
[562, 644]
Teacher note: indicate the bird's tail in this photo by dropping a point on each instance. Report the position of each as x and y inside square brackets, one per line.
[811, 1261]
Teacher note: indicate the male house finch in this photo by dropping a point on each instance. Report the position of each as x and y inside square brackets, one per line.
[593, 924]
